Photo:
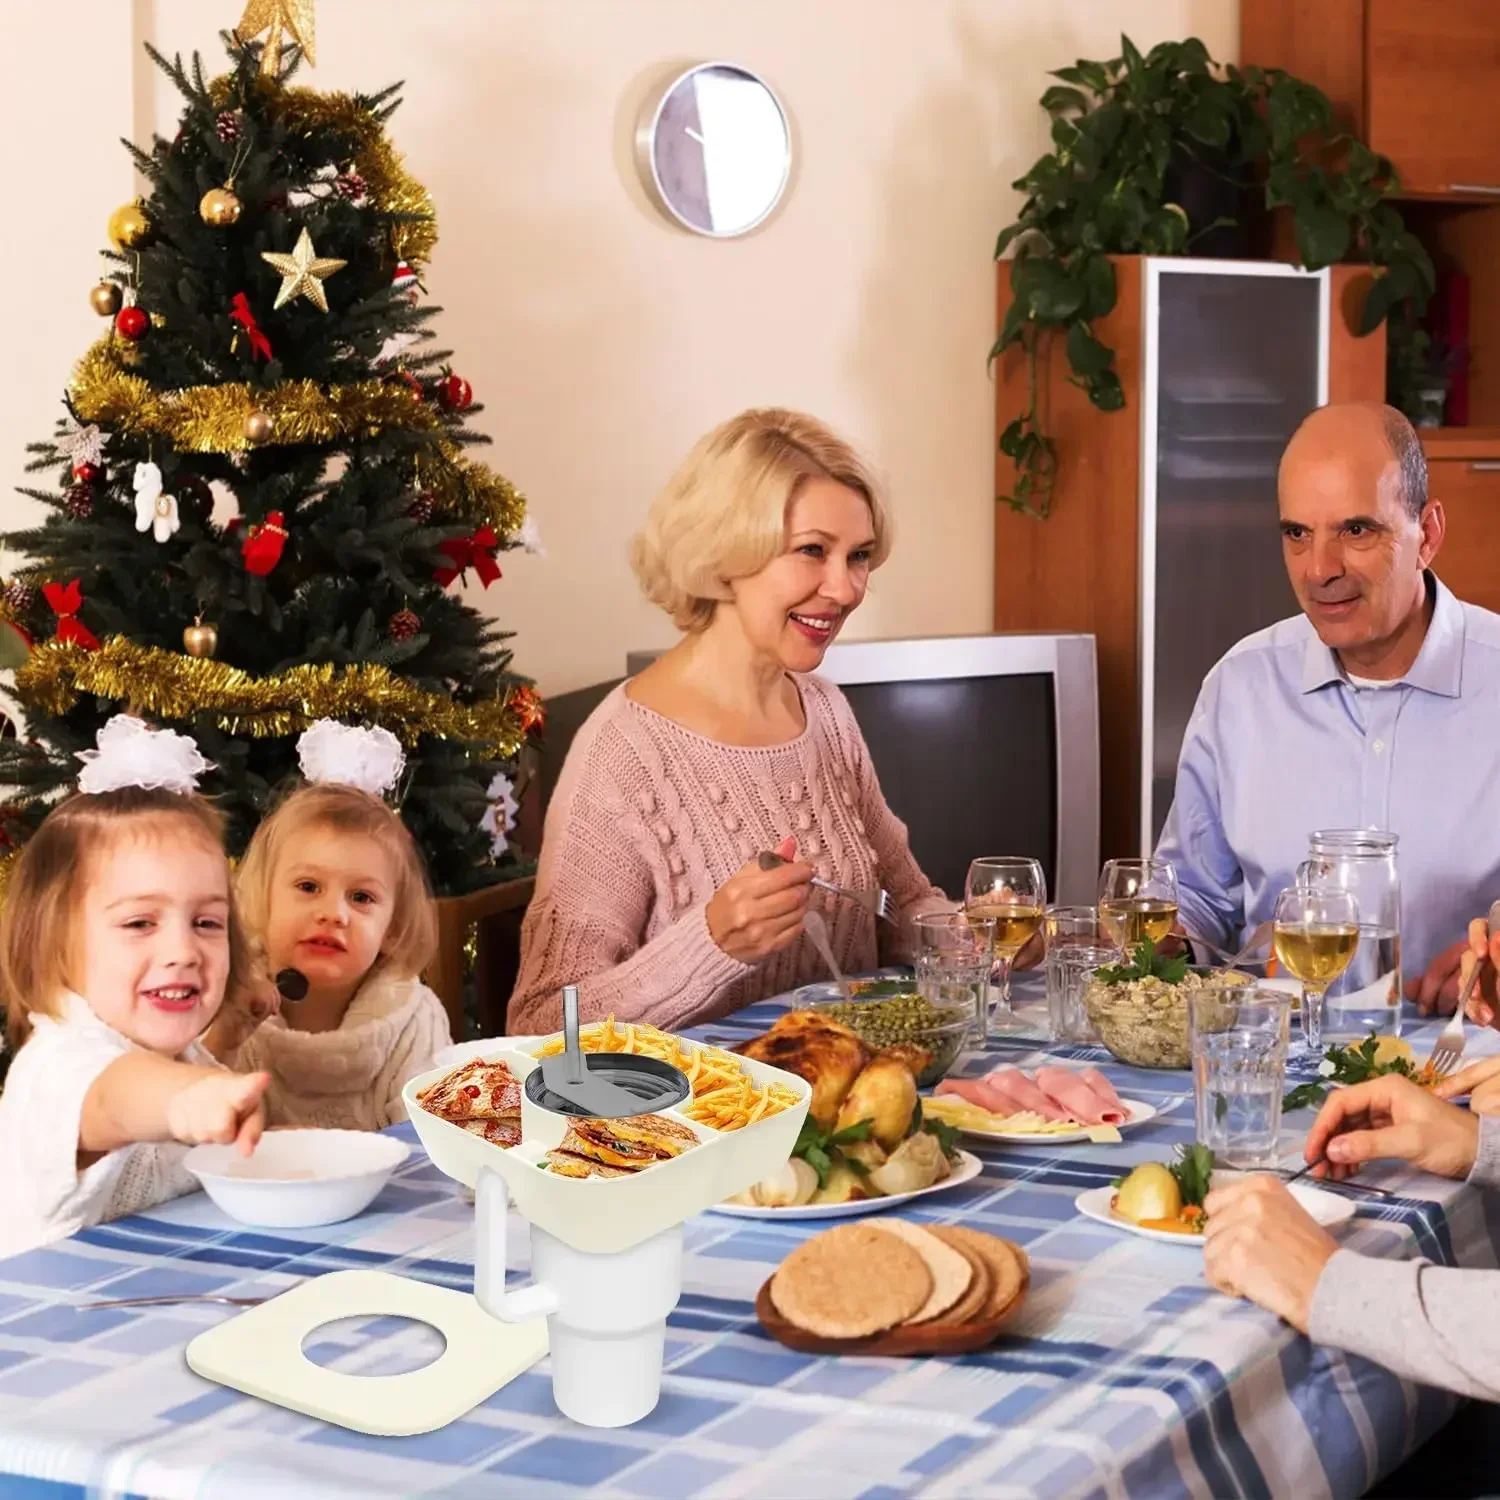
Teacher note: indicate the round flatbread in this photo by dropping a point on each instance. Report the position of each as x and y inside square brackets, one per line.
[970, 1307]
[1005, 1263]
[850, 1282]
[951, 1271]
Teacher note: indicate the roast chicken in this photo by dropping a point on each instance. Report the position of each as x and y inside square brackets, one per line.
[824, 1052]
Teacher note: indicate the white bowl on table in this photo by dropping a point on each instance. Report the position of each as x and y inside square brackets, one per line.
[298, 1178]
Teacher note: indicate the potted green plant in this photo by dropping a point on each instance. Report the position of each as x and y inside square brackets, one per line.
[1127, 134]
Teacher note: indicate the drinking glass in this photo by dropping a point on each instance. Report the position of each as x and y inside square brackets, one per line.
[1238, 1038]
[952, 961]
[1315, 930]
[1137, 900]
[1076, 946]
[1013, 891]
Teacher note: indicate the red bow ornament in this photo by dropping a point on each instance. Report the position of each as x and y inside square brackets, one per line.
[465, 552]
[239, 312]
[263, 544]
[66, 600]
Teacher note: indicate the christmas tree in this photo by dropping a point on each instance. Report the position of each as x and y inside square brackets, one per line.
[262, 497]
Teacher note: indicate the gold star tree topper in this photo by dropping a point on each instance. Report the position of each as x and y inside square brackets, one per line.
[295, 17]
[302, 272]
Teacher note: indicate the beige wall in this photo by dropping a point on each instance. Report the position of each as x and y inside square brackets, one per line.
[602, 340]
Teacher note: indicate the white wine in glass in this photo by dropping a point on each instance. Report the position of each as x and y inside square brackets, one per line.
[1137, 901]
[1315, 932]
[1013, 892]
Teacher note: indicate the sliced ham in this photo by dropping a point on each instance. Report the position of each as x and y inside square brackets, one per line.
[1071, 1092]
[1101, 1086]
[1027, 1096]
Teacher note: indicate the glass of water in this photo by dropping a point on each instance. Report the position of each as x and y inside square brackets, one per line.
[953, 962]
[1076, 946]
[1238, 1036]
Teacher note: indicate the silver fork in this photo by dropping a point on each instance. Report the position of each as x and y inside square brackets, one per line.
[1448, 1050]
[167, 1300]
[877, 902]
[1234, 960]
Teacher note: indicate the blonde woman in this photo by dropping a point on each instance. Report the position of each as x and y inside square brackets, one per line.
[649, 896]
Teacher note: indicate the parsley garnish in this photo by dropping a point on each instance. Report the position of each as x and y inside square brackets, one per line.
[1352, 1064]
[1148, 964]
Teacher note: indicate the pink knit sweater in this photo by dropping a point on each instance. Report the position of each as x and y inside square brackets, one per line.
[649, 819]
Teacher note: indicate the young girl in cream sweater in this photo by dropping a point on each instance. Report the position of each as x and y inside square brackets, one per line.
[333, 886]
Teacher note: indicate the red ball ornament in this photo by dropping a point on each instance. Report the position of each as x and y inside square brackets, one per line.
[455, 392]
[86, 473]
[404, 624]
[132, 322]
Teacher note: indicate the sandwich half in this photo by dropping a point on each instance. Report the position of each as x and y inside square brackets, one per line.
[633, 1143]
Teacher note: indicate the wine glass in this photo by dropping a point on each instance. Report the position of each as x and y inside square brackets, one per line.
[1137, 900]
[1013, 891]
[1315, 930]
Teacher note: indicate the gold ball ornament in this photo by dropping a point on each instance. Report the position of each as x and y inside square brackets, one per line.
[200, 639]
[129, 228]
[259, 426]
[106, 299]
[219, 207]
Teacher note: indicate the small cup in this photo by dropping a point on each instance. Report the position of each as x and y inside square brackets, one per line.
[952, 962]
[1238, 1037]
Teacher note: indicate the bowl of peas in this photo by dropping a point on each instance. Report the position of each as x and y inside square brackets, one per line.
[887, 1013]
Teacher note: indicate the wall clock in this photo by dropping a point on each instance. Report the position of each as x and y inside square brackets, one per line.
[715, 149]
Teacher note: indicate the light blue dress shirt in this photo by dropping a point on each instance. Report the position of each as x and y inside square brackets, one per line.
[1281, 743]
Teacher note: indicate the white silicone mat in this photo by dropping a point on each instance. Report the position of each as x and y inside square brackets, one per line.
[260, 1353]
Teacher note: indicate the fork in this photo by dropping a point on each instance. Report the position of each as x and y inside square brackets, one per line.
[1448, 1050]
[1234, 960]
[877, 902]
[167, 1300]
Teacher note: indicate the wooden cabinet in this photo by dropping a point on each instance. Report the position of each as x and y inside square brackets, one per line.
[1162, 542]
[1432, 74]
[1414, 79]
[1463, 471]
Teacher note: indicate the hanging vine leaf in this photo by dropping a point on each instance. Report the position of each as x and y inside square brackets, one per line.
[1120, 129]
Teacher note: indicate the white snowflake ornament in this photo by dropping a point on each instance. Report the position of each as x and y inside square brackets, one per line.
[500, 816]
[81, 444]
[529, 538]
[154, 511]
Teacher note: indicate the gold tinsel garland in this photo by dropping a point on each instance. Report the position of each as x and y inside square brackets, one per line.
[164, 685]
[388, 185]
[211, 419]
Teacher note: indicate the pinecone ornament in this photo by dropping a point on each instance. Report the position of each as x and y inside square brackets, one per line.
[79, 505]
[350, 185]
[421, 509]
[404, 625]
[20, 598]
[228, 127]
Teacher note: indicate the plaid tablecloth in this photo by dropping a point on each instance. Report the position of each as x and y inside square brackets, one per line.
[1122, 1376]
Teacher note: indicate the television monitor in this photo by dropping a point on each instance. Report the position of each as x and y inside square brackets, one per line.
[985, 744]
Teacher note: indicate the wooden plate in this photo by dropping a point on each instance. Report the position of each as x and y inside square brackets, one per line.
[919, 1338]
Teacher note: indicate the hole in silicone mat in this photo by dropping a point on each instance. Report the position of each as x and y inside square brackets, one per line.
[374, 1344]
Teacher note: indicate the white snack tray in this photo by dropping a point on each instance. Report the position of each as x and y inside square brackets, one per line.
[604, 1215]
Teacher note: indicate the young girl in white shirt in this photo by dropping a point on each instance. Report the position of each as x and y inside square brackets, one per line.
[117, 941]
[334, 886]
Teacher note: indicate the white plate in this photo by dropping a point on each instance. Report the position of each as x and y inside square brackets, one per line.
[969, 1167]
[1329, 1209]
[297, 1178]
[1139, 1113]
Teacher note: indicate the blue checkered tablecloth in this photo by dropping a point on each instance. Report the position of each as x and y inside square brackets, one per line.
[1123, 1375]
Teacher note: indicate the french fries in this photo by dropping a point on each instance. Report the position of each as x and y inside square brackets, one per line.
[724, 1094]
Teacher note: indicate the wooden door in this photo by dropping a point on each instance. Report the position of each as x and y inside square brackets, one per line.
[1432, 77]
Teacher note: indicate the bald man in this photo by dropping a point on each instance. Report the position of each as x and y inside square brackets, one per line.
[1377, 707]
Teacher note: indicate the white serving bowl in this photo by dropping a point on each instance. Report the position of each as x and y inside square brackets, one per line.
[297, 1178]
[461, 1052]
